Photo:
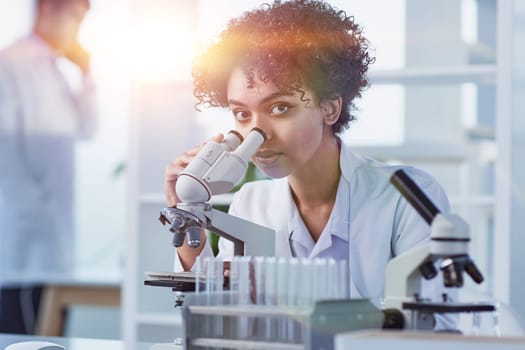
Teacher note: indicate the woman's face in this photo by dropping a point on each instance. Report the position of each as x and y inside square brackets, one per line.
[294, 127]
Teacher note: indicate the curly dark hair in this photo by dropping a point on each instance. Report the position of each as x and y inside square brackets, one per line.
[297, 45]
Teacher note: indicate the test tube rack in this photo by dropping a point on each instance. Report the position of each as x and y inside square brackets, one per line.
[216, 320]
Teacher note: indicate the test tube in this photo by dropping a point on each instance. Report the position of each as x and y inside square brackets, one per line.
[234, 280]
[282, 295]
[244, 294]
[210, 275]
[218, 266]
[258, 266]
[270, 297]
[234, 292]
[320, 273]
[332, 281]
[344, 282]
[294, 288]
[259, 279]
[306, 292]
[282, 282]
[244, 280]
[197, 274]
[294, 279]
[208, 325]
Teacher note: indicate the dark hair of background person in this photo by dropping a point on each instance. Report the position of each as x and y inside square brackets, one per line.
[296, 45]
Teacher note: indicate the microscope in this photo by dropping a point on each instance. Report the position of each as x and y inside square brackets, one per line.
[216, 169]
[214, 318]
[448, 247]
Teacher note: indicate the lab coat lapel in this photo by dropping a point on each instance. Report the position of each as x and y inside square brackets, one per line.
[348, 164]
[282, 247]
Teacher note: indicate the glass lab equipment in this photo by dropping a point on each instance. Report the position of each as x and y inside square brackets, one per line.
[273, 303]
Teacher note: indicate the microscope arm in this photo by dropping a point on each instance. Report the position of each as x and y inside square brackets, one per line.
[247, 237]
[239, 231]
[403, 278]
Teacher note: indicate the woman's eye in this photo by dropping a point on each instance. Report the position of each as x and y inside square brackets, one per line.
[241, 115]
[279, 109]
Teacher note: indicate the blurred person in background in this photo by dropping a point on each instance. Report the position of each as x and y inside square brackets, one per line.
[41, 118]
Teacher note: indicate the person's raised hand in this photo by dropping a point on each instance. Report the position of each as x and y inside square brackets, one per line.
[79, 56]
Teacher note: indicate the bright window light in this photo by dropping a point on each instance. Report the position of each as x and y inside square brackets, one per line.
[162, 49]
[150, 42]
[380, 117]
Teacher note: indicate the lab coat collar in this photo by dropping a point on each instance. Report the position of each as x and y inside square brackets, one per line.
[339, 221]
[296, 226]
[348, 161]
[340, 216]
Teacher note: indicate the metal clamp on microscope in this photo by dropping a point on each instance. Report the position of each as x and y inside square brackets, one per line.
[216, 169]
[448, 246]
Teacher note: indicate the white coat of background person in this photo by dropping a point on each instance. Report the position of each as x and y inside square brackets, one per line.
[41, 118]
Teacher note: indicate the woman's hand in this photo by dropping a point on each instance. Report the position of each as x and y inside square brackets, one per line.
[174, 168]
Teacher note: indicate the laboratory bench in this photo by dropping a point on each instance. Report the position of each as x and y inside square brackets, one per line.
[421, 340]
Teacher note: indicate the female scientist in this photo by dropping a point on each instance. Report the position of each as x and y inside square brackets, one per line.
[294, 69]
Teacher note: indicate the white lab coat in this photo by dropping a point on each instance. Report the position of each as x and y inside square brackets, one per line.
[40, 120]
[380, 223]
